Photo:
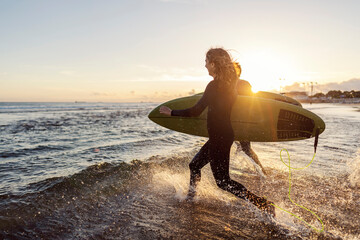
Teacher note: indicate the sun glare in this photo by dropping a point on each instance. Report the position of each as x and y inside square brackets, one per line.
[266, 71]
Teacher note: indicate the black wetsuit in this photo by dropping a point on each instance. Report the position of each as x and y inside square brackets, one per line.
[221, 136]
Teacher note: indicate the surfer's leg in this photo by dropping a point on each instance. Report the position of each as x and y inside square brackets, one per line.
[196, 164]
[246, 147]
[238, 147]
[220, 168]
[220, 160]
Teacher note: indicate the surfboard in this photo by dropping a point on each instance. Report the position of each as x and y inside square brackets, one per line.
[253, 118]
[275, 96]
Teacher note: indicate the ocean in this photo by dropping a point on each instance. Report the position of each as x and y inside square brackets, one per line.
[105, 171]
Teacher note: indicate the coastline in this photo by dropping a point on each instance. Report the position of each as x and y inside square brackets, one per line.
[347, 101]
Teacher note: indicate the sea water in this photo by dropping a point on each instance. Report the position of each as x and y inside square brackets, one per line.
[105, 171]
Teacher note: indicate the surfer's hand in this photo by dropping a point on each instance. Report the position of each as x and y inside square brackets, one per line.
[165, 110]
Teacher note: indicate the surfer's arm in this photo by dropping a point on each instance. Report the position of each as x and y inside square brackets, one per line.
[165, 110]
[197, 109]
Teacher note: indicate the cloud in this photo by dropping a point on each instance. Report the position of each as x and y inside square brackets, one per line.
[352, 84]
[68, 73]
[152, 69]
[163, 96]
[173, 70]
[103, 94]
[294, 87]
[174, 77]
[172, 74]
[185, 1]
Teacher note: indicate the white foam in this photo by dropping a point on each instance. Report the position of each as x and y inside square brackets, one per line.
[354, 170]
[206, 189]
[178, 181]
[243, 161]
[288, 221]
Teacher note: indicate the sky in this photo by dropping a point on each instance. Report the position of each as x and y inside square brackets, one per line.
[154, 50]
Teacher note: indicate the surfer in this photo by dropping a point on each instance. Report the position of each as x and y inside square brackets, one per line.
[244, 88]
[219, 96]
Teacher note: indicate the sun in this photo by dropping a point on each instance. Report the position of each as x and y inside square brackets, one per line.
[267, 71]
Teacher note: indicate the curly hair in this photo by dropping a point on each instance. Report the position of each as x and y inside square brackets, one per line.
[224, 68]
[237, 69]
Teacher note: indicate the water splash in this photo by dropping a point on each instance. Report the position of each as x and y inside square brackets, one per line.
[354, 170]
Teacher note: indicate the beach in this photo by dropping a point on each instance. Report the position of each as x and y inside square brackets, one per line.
[105, 171]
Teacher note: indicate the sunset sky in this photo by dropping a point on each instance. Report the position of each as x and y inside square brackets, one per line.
[154, 50]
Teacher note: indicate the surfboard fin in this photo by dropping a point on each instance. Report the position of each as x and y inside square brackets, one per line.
[316, 139]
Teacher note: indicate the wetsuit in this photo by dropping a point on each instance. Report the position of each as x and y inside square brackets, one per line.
[221, 136]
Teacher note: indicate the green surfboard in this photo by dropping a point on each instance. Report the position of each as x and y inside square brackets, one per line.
[254, 118]
[274, 96]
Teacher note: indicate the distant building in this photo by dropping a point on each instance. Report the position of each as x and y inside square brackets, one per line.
[297, 95]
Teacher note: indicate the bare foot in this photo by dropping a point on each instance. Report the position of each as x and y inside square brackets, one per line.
[262, 203]
[191, 194]
[270, 208]
[266, 206]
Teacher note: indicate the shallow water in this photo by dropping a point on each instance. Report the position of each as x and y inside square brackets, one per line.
[68, 171]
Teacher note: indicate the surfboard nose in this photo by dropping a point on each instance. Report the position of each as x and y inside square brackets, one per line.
[152, 114]
[155, 114]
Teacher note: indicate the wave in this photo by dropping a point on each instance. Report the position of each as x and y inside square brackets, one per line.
[74, 120]
[51, 195]
[6, 108]
[145, 199]
[354, 171]
[30, 151]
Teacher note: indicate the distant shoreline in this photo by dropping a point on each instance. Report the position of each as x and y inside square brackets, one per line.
[354, 101]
